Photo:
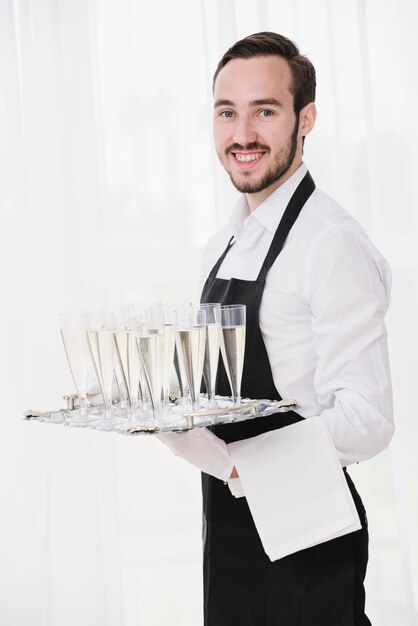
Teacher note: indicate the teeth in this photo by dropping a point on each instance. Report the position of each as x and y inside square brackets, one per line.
[245, 158]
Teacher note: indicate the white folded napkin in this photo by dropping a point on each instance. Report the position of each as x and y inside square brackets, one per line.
[295, 487]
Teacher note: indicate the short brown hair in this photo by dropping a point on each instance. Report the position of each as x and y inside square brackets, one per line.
[268, 44]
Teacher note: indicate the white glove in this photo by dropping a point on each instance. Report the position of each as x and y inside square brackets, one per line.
[201, 448]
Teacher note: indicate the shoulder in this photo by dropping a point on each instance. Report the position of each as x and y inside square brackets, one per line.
[332, 228]
[323, 214]
[339, 245]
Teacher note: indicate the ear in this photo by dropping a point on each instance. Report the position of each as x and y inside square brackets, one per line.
[307, 117]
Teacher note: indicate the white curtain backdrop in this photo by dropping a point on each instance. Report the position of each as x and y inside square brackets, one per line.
[109, 188]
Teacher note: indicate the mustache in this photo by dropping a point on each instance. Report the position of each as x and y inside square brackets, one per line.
[236, 147]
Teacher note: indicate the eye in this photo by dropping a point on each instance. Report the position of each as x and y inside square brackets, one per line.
[266, 113]
[226, 114]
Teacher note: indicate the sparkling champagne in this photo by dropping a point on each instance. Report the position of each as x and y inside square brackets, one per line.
[150, 350]
[127, 352]
[76, 349]
[232, 349]
[168, 346]
[177, 368]
[101, 346]
[210, 366]
[192, 348]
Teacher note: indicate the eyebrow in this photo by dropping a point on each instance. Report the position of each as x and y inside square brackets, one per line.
[260, 102]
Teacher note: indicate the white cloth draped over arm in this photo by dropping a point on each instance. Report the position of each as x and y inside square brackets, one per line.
[295, 487]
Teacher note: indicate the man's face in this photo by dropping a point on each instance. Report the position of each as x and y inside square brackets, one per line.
[255, 128]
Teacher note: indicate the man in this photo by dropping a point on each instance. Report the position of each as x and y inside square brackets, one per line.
[316, 292]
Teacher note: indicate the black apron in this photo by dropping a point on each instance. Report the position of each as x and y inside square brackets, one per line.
[319, 586]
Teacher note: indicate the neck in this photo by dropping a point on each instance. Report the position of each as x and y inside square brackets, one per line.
[255, 199]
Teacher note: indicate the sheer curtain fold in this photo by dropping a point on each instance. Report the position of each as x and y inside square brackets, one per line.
[109, 188]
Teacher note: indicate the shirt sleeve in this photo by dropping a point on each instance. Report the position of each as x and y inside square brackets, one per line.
[348, 287]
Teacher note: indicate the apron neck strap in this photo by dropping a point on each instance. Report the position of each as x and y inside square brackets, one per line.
[219, 262]
[303, 191]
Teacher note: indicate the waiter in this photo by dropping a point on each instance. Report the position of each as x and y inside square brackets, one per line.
[316, 292]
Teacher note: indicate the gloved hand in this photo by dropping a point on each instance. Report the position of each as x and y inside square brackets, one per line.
[201, 448]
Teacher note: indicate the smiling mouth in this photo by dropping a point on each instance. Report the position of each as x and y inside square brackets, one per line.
[246, 158]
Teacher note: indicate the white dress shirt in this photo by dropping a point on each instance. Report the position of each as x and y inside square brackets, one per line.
[321, 318]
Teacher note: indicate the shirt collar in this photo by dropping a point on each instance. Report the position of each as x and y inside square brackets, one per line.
[269, 213]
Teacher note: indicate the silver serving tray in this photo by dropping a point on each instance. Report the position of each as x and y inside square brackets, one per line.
[180, 418]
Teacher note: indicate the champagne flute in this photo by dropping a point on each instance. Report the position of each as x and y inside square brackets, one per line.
[101, 344]
[232, 343]
[150, 348]
[210, 366]
[149, 344]
[73, 328]
[169, 327]
[191, 335]
[121, 318]
[127, 354]
[181, 312]
[141, 316]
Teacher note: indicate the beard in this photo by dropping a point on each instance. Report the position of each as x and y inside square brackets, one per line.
[282, 164]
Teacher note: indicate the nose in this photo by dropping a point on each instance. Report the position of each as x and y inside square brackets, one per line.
[244, 131]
